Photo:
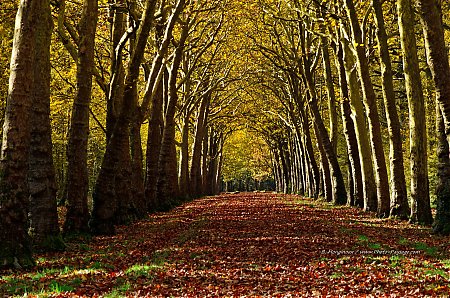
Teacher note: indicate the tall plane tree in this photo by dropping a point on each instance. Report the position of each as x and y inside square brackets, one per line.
[15, 248]
[77, 175]
[399, 200]
[437, 54]
[43, 215]
[381, 177]
[420, 205]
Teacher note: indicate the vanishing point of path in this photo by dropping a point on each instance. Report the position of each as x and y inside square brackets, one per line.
[251, 244]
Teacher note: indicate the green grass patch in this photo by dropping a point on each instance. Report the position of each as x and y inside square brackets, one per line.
[396, 260]
[429, 250]
[140, 270]
[147, 269]
[446, 263]
[363, 240]
[58, 288]
[437, 272]
[336, 275]
[403, 241]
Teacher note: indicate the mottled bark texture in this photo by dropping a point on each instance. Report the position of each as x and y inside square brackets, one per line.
[399, 201]
[420, 198]
[112, 194]
[359, 120]
[200, 131]
[356, 198]
[77, 217]
[437, 55]
[167, 186]
[370, 103]
[43, 216]
[15, 249]
[441, 224]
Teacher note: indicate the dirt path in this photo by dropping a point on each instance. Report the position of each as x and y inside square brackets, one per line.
[249, 244]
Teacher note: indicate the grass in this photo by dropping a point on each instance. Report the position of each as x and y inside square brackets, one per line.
[58, 288]
[429, 250]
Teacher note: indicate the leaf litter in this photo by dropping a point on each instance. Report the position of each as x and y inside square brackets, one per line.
[246, 245]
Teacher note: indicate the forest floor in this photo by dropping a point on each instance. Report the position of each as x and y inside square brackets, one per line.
[246, 244]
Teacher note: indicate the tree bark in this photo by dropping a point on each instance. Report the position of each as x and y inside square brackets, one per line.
[325, 169]
[43, 214]
[15, 250]
[77, 217]
[370, 103]
[437, 56]
[116, 84]
[359, 120]
[441, 224]
[357, 198]
[339, 193]
[333, 114]
[114, 180]
[167, 185]
[155, 129]
[184, 158]
[399, 201]
[195, 171]
[420, 198]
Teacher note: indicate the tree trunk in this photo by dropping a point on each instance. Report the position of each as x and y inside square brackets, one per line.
[350, 135]
[195, 172]
[167, 185]
[114, 180]
[155, 129]
[184, 158]
[314, 177]
[399, 202]
[15, 250]
[137, 166]
[437, 56]
[441, 224]
[420, 199]
[333, 114]
[370, 103]
[204, 168]
[359, 120]
[43, 215]
[325, 169]
[116, 84]
[77, 217]
[339, 193]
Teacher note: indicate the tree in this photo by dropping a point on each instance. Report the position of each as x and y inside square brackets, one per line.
[113, 183]
[359, 120]
[77, 174]
[43, 215]
[15, 250]
[167, 185]
[420, 205]
[399, 202]
[437, 55]
[381, 178]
